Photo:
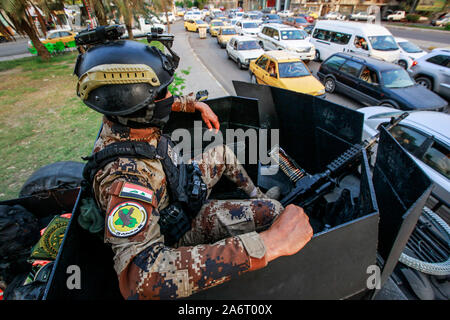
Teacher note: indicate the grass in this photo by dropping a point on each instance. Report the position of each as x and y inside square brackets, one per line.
[41, 119]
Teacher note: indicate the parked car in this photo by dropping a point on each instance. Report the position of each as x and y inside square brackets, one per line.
[247, 28]
[214, 26]
[442, 21]
[433, 71]
[243, 50]
[181, 12]
[58, 35]
[425, 135]
[375, 82]
[162, 17]
[397, 16]
[296, 22]
[3, 38]
[333, 15]
[285, 70]
[224, 35]
[409, 52]
[305, 16]
[193, 25]
[285, 13]
[361, 16]
[365, 39]
[282, 37]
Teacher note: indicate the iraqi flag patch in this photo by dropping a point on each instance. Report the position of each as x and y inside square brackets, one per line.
[134, 191]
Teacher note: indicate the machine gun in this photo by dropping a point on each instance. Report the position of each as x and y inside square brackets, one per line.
[308, 188]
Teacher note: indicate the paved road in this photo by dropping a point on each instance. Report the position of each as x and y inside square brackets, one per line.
[225, 71]
[14, 47]
[421, 35]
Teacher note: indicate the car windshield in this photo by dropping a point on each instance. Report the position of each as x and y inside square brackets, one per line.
[217, 24]
[300, 20]
[397, 78]
[249, 25]
[248, 45]
[273, 16]
[200, 22]
[409, 47]
[228, 31]
[292, 69]
[293, 35]
[383, 43]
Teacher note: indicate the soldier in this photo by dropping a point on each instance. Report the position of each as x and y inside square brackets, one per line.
[169, 240]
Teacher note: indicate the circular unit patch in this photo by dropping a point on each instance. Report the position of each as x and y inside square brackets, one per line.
[127, 219]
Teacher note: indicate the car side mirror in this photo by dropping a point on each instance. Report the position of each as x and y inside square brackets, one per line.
[276, 37]
[273, 75]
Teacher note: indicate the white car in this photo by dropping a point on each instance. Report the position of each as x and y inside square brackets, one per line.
[361, 16]
[193, 15]
[397, 16]
[247, 28]
[243, 50]
[408, 52]
[162, 17]
[425, 135]
[282, 37]
[333, 15]
[239, 15]
[285, 13]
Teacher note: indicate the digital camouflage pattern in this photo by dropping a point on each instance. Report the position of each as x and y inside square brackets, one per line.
[223, 242]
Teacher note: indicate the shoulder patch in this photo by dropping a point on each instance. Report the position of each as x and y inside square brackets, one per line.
[137, 192]
[127, 219]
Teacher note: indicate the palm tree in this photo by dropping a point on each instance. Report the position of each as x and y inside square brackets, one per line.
[101, 9]
[127, 9]
[17, 12]
[164, 6]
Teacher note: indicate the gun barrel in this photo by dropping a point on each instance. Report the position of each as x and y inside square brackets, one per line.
[394, 121]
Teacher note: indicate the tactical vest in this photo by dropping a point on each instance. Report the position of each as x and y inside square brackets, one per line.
[187, 191]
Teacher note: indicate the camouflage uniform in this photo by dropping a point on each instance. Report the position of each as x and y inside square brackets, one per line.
[223, 241]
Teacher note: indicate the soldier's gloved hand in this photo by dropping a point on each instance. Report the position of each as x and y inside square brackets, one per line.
[289, 233]
[208, 116]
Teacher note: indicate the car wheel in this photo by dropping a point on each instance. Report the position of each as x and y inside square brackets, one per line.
[403, 64]
[228, 54]
[261, 44]
[253, 79]
[317, 56]
[330, 85]
[425, 82]
[240, 66]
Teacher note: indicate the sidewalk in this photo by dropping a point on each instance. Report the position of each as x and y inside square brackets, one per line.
[199, 77]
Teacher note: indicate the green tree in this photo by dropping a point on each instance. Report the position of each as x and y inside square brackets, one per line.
[18, 14]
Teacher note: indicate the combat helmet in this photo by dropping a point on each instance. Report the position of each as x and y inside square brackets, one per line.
[119, 77]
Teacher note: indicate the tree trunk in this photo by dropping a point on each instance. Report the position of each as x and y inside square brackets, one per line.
[100, 13]
[5, 32]
[167, 19]
[41, 21]
[129, 29]
[41, 49]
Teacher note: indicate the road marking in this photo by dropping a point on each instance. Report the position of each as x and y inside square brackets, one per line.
[204, 66]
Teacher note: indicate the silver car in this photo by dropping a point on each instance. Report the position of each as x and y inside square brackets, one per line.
[433, 71]
[426, 137]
